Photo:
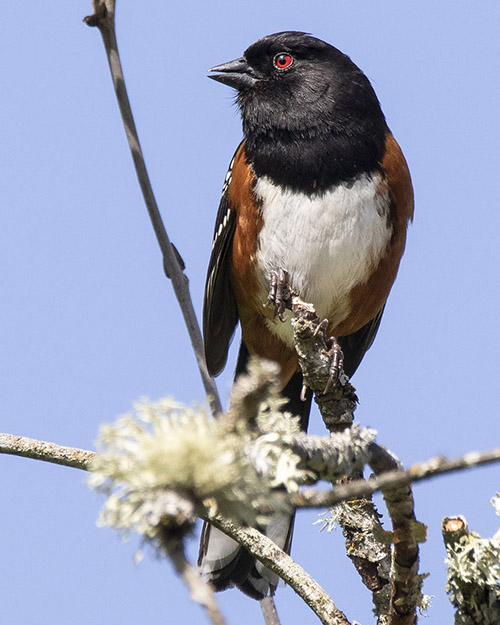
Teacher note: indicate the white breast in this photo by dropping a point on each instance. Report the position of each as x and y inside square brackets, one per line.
[327, 243]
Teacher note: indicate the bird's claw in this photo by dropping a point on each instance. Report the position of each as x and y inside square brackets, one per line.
[279, 293]
[336, 369]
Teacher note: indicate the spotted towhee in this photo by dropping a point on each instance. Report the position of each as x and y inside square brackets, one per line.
[319, 189]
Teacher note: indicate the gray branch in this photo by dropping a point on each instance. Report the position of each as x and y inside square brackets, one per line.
[200, 591]
[104, 19]
[407, 533]
[25, 447]
[265, 550]
[359, 518]
[48, 452]
[426, 470]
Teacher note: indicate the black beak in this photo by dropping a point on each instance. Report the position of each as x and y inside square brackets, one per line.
[237, 74]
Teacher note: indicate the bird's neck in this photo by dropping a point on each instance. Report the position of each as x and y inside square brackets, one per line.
[316, 160]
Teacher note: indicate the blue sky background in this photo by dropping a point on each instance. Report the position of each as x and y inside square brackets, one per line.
[88, 322]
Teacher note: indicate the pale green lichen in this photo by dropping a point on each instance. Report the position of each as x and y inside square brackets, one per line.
[229, 465]
[474, 577]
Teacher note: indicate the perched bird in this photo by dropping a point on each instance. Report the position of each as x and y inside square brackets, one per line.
[318, 192]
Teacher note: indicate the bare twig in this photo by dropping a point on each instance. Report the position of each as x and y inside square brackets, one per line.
[265, 550]
[104, 19]
[269, 611]
[200, 591]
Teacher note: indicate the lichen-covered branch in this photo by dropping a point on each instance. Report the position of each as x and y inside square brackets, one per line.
[282, 564]
[164, 503]
[358, 518]
[407, 533]
[434, 467]
[226, 464]
[48, 452]
[370, 555]
[473, 572]
[338, 404]
[331, 457]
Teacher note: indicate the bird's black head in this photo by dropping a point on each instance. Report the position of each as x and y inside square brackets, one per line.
[310, 115]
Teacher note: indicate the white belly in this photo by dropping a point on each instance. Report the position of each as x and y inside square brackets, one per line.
[327, 244]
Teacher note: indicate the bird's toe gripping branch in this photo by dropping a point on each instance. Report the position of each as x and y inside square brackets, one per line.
[321, 361]
[336, 373]
[280, 293]
[282, 297]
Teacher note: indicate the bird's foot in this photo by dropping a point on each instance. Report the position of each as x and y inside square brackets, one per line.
[280, 293]
[336, 370]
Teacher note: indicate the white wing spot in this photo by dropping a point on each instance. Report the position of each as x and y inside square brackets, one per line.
[222, 227]
[227, 182]
[227, 179]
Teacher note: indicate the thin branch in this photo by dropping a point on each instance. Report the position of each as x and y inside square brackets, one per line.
[257, 544]
[104, 19]
[265, 550]
[48, 452]
[429, 469]
[269, 611]
[200, 591]
[426, 470]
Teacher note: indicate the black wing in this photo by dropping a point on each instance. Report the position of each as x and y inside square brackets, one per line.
[220, 314]
[355, 345]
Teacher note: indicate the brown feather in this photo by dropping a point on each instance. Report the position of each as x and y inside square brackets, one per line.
[252, 311]
[368, 298]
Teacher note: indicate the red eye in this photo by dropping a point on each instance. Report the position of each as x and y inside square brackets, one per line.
[282, 60]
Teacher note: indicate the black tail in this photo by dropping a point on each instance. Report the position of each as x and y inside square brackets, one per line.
[221, 559]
